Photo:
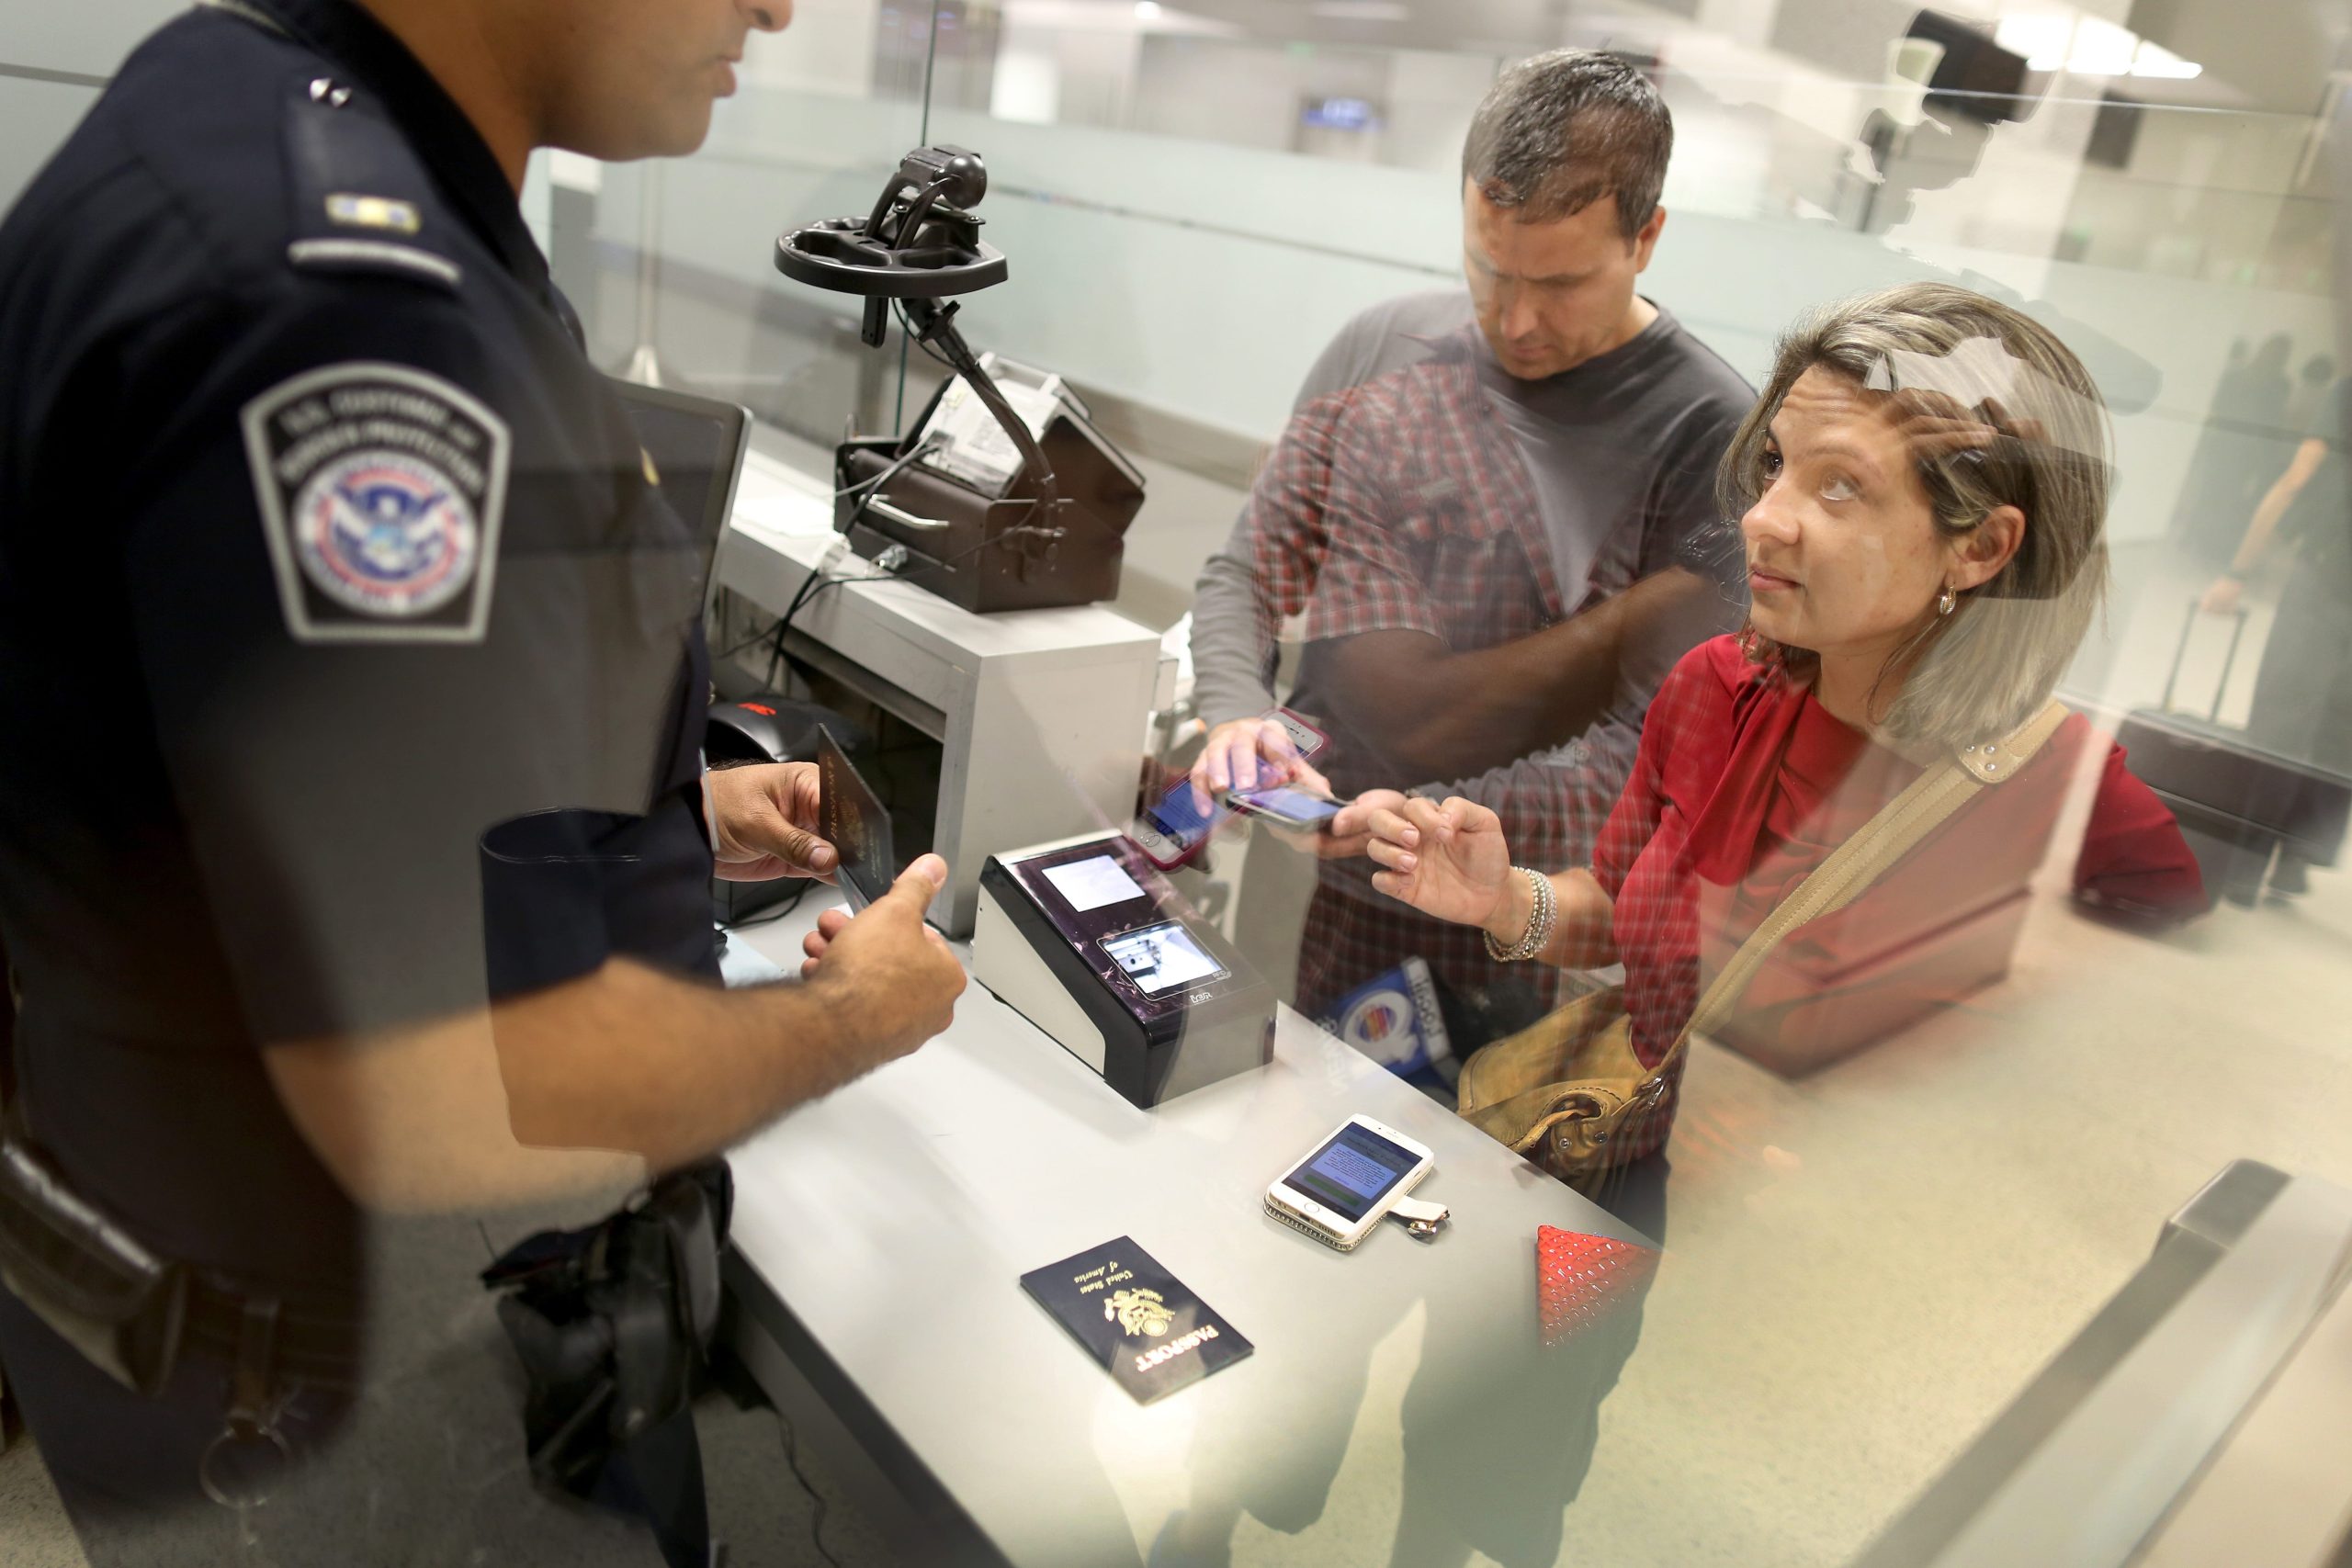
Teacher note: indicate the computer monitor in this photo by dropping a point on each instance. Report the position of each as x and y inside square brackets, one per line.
[697, 446]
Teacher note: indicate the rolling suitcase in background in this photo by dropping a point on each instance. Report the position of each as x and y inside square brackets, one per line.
[2237, 805]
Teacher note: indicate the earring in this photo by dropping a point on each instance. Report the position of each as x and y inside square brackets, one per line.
[1946, 600]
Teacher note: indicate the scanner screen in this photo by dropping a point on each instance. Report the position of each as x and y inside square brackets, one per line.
[1092, 884]
[1162, 957]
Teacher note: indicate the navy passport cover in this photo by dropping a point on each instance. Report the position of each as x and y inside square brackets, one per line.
[1153, 1335]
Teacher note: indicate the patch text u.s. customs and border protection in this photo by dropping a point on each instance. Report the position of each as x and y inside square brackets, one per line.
[381, 489]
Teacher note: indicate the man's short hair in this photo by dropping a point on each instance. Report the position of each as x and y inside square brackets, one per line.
[1558, 131]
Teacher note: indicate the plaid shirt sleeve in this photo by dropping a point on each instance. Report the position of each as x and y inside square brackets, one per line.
[1553, 804]
[1596, 801]
[1313, 533]
[1369, 580]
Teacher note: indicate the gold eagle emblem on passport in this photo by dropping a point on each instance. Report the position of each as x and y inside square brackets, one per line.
[1138, 1312]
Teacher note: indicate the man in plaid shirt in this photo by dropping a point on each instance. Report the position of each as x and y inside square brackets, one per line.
[1492, 520]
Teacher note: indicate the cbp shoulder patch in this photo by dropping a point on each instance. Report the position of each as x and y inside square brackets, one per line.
[381, 490]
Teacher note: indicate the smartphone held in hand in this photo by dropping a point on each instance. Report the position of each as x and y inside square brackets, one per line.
[1288, 806]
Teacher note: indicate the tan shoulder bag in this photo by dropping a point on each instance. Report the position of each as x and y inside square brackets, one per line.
[1568, 1091]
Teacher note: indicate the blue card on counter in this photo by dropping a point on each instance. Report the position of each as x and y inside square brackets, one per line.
[1153, 1336]
[1394, 1019]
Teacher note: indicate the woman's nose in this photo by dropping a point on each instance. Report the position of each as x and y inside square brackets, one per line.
[1769, 521]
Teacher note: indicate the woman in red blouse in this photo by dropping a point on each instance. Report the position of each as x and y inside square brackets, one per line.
[1922, 487]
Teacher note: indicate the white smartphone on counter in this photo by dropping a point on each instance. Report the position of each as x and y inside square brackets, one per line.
[1338, 1192]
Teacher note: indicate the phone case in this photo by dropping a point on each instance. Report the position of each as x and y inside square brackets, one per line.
[1303, 1228]
[1183, 857]
[1309, 740]
[1149, 839]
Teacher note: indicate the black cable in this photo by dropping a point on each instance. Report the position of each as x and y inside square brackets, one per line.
[815, 584]
[810, 586]
[865, 491]
[764, 633]
[923, 448]
[817, 1515]
[917, 338]
[790, 903]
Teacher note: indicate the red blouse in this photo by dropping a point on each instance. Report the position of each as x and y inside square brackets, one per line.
[1745, 782]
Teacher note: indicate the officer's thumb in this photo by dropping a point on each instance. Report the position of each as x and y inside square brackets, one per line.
[799, 847]
[919, 881]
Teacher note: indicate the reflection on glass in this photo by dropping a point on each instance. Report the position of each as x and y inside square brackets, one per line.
[1443, 370]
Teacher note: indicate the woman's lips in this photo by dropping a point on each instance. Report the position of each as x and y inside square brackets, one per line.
[1762, 581]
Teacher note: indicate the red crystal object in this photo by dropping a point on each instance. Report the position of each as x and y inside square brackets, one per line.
[1579, 1278]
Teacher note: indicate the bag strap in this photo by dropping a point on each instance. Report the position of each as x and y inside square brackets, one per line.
[1922, 807]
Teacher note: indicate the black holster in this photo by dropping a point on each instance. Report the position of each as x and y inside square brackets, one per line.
[75, 1266]
[614, 1325]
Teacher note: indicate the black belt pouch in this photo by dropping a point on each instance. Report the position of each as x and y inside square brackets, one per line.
[97, 1286]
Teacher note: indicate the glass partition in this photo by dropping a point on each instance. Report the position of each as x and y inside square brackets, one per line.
[1873, 1244]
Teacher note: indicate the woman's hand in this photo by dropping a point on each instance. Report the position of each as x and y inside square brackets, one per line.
[1347, 835]
[1448, 861]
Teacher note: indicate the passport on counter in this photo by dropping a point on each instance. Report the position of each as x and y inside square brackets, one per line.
[1135, 1318]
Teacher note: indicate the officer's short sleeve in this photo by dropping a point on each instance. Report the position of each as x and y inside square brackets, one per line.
[362, 573]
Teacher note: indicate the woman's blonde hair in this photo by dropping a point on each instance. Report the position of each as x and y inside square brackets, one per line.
[1987, 667]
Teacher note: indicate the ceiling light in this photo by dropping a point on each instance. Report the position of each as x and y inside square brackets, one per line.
[2101, 49]
[1362, 10]
[2155, 60]
[2041, 40]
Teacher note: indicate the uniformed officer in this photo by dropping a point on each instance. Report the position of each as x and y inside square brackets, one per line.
[354, 844]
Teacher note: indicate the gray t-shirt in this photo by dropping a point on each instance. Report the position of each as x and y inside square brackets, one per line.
[1621, 452]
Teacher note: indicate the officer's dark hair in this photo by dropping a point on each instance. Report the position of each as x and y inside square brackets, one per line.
[1558, 131]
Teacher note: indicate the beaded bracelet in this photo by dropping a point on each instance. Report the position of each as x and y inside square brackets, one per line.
[1539, 923]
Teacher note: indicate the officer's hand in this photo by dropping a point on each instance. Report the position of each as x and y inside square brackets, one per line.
[831, 922]
[893, 981]
[764, 821]
[2222, 597]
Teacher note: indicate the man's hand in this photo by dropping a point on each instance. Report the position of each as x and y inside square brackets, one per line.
[890, 976]
[2221, 599]
[764, 821]
[1246, 753]
[1448, 861]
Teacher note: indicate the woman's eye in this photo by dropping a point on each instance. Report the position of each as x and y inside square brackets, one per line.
[1771, 464]
[1838, 487]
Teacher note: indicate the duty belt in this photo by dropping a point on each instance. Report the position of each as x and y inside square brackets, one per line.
[130, 1311]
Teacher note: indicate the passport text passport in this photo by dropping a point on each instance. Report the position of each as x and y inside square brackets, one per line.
[1153, 1336]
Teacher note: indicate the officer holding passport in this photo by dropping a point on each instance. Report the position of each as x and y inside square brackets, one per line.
[353, 839]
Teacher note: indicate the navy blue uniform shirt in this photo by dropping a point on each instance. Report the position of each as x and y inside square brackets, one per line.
[351, 671]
